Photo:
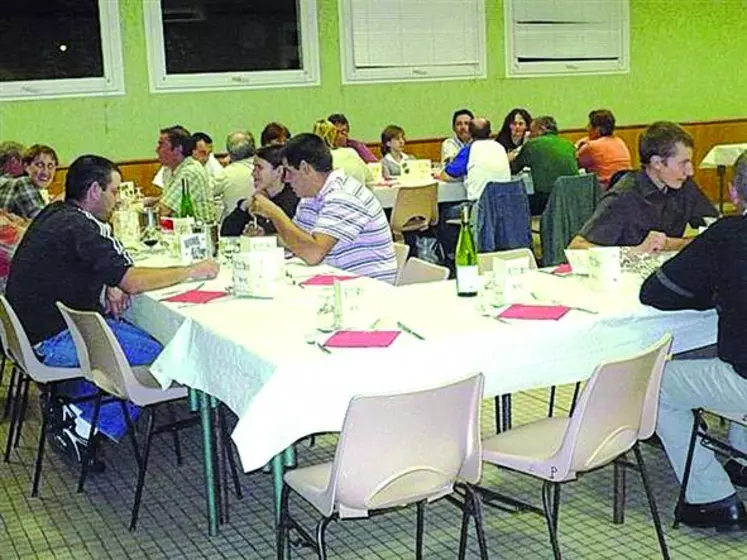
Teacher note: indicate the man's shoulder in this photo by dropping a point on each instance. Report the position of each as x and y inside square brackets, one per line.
[350, 192]
[190, 168]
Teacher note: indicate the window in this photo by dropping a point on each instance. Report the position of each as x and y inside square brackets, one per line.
[231, 44]
[60, 48]
[412, 40]
[558, 37]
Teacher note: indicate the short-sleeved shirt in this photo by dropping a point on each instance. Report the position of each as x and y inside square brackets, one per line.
[67, 255]
[604, 156]
[20, 196]
[351, 213]
[634, 206]
[199, 186]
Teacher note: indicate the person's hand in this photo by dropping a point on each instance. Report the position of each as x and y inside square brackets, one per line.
[262, 206]
[654, 243]
[116, 301]
[252, 230]
[204, 270]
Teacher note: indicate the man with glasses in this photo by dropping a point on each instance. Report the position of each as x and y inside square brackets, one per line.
[649, 209]
[338, 221]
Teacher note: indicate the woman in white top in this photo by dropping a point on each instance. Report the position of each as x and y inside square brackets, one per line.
[392, 148]
[343, 158]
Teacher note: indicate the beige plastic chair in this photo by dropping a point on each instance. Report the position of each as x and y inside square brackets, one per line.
[395, 450]
[418, 271]
[485, 260]
[27, 367]
[104, 362]
[401, 251]
[617, 408]
[415, 209]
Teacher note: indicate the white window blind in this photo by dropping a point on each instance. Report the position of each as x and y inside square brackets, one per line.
[387, 40]
[567, 36]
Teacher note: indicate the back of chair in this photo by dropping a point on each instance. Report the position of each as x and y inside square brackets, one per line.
[418, 271]
[397, 449]
[503, 217]
[16, 344]
[618, 407]
[415, 209]
[401, 250]
[571, 203]
[485, 260]
[101, 357]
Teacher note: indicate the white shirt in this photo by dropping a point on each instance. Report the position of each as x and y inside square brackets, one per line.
[233, 183]
[487, 163]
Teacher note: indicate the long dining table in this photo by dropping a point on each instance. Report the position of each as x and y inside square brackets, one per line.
[262, 357]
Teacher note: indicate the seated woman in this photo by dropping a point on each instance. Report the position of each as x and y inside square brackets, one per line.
[392, 148]
[274, 134]
[343, 157]
[268, 179]
[514, 131]
[602, 152]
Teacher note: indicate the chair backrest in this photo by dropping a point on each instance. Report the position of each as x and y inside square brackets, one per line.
[401, 250]
[418, 271]
[503, 218]
[399, 449]
[16, 344]
[101, 357]
[485, 260]
[415, 209]
[617, 407]
[572, 202]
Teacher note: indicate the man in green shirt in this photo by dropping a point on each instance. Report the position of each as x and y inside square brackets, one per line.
[548, 156]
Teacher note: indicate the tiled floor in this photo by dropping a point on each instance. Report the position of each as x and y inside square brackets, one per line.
[63, 524]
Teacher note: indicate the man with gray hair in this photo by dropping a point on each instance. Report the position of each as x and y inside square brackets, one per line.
[235, 182]
[11, 159]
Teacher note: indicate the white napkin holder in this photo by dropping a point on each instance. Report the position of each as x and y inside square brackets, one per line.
[579, 260]
[193, 248]
[508, 278]
[257, 243]
[605, 270]
[257, 273]
[348, 305]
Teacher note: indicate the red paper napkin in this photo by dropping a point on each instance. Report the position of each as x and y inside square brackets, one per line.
[325, 279]
[195, 296]
[534, 312]
[563, 269]
[361, 339]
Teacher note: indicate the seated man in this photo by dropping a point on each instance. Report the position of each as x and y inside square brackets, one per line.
[24, 196]
[460, 125]
[708, 273]
[11, 159]
[69, 254]
[602, 152]
[343, 139]
[338, 221]
[549, 156]
[235, 182]
[174, 151]
[649, 209]
[203, 152]
[481, 162]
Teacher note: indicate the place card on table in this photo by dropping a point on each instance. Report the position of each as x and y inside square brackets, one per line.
[361, 339]
[326, 279]
[195, 296]
[534, 312]
[193, 248]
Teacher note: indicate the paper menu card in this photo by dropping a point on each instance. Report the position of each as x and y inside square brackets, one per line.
[416, 172]
[258, 273]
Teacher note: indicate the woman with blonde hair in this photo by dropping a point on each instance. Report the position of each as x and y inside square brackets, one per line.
[343, 158]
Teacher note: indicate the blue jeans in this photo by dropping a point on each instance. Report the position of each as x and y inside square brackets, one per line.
[59, 351]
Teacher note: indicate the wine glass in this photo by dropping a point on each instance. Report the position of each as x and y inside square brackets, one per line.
[151, 237]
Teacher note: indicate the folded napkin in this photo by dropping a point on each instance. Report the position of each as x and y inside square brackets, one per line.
[325, 279]
[562, 269]
[361, 339]
[196, 296]
[534, 312]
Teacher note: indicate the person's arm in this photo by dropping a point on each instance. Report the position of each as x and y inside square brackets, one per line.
[143, 279]
[310, 247]
[585, 155]
[458, 166]
[362, 150]
[28, 201]
[580, 242]
[235, 222]
[448, 151]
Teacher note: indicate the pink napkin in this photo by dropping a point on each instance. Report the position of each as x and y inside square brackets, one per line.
[325, 279]
[534, 312]
[563, 269]
[361, 339]
[195, 296]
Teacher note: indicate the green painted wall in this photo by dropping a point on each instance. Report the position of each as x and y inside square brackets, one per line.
[687, 65]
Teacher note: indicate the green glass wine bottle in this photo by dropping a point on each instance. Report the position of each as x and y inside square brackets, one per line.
[466, 259]
[186, 208]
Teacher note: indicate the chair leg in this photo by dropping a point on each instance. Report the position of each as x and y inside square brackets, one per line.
[14, 407]
[90, 454]
[143, 468]
[22, 411]
[476, 509]
[574, 400]
[550, 493]
[551, 404]
[419, 530]
[48, 400]
[688, 467]
[651, 502]
[14, 372]
[498, 425]
[620, 493]
[228, 450]
[321, 544]
[466, 511]
[282, 530]
[175, 434]
[130, 431]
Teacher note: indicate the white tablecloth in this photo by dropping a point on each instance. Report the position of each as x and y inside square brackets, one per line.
[722, 154]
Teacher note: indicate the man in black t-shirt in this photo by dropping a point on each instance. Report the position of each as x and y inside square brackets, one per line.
[70, 255]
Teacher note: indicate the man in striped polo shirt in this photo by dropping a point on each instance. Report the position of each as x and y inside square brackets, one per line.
[338, 222]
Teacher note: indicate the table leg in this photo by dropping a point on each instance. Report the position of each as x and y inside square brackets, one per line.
[278, 466]
[209, 461]
[289, 457]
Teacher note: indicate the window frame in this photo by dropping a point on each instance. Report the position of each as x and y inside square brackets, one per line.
[514, 69]
[161, 82]
[414, 73]
[111, 83]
